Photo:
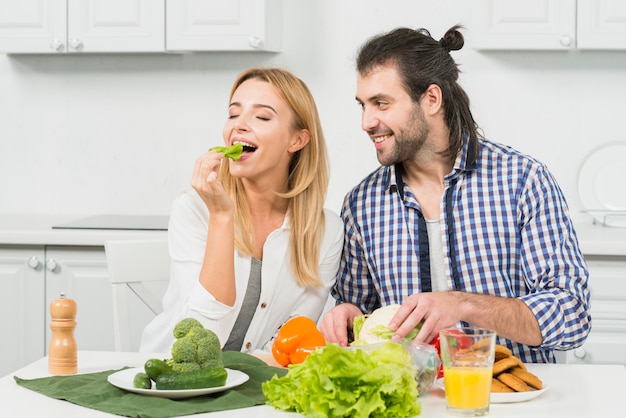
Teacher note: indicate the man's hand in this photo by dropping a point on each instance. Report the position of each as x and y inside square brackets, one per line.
[509, 317]
[438, 310]
[336, 323]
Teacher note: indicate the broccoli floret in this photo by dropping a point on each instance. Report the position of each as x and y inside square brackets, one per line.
[195, 347]
[182, 328]
[183, 366]
[184, 350]
[209, 349]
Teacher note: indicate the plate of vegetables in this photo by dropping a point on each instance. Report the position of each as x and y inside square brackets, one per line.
[195, 368]
[125, 379]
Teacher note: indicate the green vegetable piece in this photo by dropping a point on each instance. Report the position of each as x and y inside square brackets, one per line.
[204, 378]
[183, 327]
[154, 367]
[142, 381]
[380, 330]
[233, 152]
[195, 347]
[352, 382]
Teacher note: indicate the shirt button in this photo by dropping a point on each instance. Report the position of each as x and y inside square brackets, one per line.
[248, 345]
[263, 305]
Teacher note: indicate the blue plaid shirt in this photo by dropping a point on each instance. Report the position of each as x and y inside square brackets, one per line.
[506, 232]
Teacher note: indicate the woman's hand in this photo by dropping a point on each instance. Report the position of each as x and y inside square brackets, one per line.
[206, 183]
[217, 275]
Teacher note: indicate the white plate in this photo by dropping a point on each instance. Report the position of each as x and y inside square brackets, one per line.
[507, 397]
[124, 380]
[601, 184]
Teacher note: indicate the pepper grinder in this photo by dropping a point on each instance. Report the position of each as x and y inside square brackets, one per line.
[62, 351]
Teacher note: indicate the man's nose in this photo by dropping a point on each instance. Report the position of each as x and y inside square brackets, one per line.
[369, 120]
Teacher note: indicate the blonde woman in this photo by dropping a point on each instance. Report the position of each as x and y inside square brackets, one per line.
[251, 243]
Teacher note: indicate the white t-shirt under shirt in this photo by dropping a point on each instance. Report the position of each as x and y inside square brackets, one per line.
[438, 279]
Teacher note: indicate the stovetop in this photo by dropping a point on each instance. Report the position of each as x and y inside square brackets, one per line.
[121, 222]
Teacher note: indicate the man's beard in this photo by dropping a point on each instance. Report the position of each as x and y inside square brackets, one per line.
[408, 140]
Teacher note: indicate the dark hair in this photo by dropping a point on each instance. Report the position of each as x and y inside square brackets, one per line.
[421, 62]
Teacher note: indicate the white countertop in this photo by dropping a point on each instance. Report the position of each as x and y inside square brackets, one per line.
[36, 229]
[575, 390]
[597, 239]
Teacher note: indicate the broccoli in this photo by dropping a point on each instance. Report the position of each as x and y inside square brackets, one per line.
[182, 328]
[195, 347]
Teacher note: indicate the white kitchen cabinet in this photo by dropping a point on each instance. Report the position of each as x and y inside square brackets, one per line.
[549, 25]
[31, 277]
[215, 25]
[23, 306]
[601, 24]
[81, 273]
[606, 344]
[61, 26]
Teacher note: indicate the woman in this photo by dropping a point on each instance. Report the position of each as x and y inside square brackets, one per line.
[251, 243]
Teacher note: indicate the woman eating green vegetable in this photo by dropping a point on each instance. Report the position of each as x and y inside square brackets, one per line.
[251, 243]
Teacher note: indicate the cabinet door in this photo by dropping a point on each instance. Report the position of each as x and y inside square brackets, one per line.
[33, 26]
[216, 25]
[81, 273]
[601, 24]
[529, 24]
[116, 25]
[606, 344]
[22, 308]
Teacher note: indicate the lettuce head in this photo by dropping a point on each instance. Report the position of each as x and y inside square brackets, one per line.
[348, 382]
[374, 328]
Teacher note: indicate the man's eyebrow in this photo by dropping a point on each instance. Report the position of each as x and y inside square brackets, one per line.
[374, 98]
[256, 106]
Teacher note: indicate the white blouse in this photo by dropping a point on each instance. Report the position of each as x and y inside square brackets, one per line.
[281, 297]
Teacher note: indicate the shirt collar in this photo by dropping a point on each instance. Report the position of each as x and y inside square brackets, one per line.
[392, 175]
[466, 154]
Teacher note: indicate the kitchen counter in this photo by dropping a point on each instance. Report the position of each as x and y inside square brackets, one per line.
[575, 390]
[597, 239]
[36, 229]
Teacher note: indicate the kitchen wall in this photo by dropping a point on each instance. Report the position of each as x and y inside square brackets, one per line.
[84, 134]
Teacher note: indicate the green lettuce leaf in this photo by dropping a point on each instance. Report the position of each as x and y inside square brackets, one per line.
[233, 152]
[357, 324]
[339, 382]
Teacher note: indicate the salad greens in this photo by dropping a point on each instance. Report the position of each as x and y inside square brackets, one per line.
[233, 152]
[348, 382]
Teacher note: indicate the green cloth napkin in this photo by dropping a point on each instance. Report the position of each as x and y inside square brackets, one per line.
[92, 390]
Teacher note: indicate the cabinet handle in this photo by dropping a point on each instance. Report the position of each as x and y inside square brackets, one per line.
[580, 353]
[51, 264]
[566, 40]
[76, 44]
[33, 262]
[57, 45]
[255, 42]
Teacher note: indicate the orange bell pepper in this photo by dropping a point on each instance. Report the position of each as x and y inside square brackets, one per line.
[295, 341]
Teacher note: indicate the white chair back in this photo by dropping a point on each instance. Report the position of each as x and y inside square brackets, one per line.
[139, 270]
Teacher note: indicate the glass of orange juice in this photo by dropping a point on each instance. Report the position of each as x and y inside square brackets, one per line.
[467, 356]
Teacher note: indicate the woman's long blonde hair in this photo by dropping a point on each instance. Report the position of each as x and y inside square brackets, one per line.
[307, 182]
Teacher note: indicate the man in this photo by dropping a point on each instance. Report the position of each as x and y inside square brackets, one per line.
[456, 228]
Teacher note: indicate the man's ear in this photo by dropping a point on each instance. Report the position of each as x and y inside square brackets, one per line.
[299, 140]
[432, 99]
